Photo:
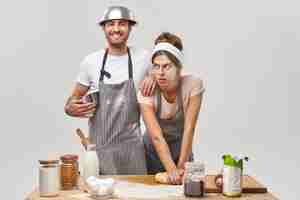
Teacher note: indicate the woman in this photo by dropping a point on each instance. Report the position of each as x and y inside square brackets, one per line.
[171, 114]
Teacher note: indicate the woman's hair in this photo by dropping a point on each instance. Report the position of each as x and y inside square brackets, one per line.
[172, 39]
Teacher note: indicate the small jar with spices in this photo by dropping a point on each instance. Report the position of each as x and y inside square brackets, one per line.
[49, 175]
[69, 171]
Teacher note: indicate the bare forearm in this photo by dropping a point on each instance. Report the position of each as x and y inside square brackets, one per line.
[156, 135]
[75, 106]
[163, 152]
[190, 121]
[72, 97]
[186, 147]
[68, 102]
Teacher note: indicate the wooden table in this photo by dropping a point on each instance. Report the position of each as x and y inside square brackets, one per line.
[149, 180]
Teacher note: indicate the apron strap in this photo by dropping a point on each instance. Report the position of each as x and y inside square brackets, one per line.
[129, 64]
[180, 97]
[158, 99]
[103, 72]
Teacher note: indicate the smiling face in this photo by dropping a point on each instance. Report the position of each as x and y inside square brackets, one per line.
[166, 73]
[117, 32]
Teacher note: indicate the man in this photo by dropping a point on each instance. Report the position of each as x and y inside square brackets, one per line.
[112, 75]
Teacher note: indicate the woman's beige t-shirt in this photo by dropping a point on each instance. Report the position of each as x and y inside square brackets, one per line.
[190, 86]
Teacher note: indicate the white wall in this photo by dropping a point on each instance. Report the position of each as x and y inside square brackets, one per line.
[246, 52]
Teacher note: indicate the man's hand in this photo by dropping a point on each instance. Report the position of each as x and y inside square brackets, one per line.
[147, 86]
[79, 108]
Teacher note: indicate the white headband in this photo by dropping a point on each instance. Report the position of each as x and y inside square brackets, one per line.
[165, 46]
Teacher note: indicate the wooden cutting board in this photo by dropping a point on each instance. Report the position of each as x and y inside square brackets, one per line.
[250, 185]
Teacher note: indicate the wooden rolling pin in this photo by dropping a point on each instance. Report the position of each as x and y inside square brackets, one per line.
[84, 140]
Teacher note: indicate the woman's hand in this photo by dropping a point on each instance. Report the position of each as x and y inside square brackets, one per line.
[175, 176]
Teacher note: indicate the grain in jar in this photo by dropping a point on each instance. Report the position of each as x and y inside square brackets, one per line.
[69, 171]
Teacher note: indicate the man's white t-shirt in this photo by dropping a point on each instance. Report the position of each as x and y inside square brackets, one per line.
[117, 66]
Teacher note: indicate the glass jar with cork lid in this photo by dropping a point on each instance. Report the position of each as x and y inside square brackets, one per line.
[49, 175]
[69, 171]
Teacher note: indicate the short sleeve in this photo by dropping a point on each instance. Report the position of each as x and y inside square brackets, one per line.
[83, 75]
[197, 87]
[192, 86]
[146, 62]
[145, 100]
[143, 64]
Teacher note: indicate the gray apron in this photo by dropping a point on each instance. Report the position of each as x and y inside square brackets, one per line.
[173, 133]
[115, 127]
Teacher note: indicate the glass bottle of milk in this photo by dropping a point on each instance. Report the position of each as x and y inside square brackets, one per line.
[90, 162]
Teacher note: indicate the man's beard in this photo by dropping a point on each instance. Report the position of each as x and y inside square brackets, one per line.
[117, 45]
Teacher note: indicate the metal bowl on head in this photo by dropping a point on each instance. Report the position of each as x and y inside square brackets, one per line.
[117, 12]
